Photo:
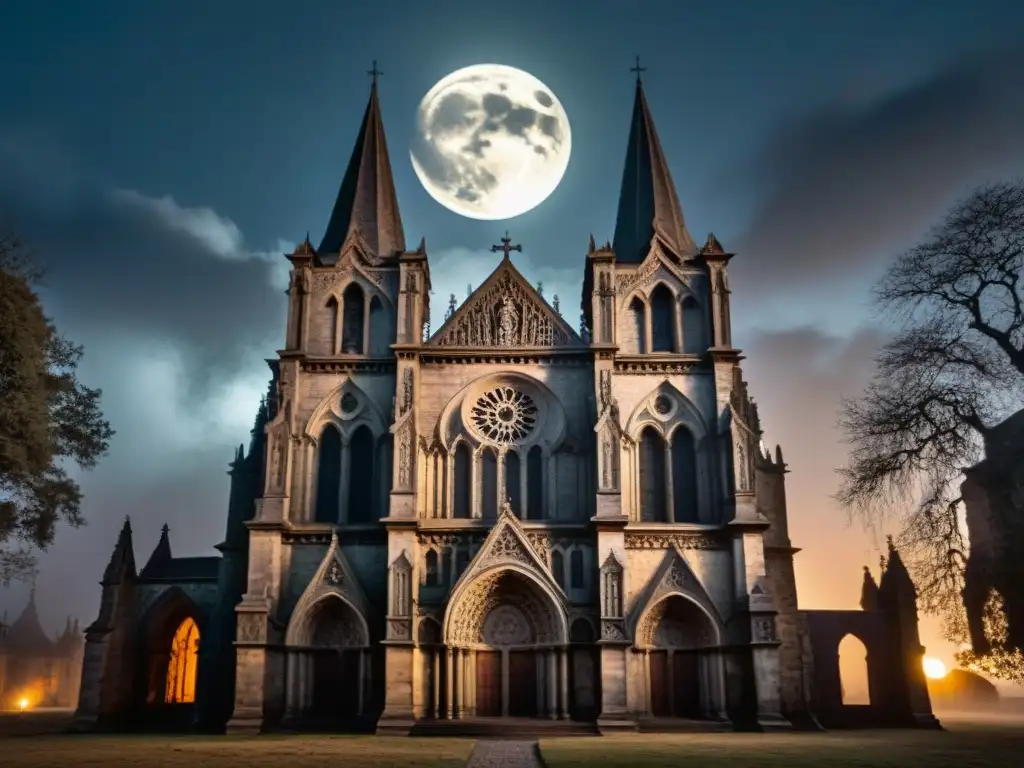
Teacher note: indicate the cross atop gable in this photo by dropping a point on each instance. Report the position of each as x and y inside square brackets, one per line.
[505, 312]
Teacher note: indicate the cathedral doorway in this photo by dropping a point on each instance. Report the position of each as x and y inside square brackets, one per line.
[329, 665]
[488, 683]
[169, 659]
[681, 659]
[506, 649]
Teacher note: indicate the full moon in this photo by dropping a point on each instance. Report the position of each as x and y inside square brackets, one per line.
[491, 142]
[934, 668]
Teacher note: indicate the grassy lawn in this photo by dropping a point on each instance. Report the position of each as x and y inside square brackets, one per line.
[30, 747]
[967, 743]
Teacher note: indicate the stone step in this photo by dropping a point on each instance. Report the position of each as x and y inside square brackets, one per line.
[504, 728]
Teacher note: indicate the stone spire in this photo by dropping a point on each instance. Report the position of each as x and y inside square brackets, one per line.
[161, 555]
[648, 204]
[26, 632]
[367, 200]
[869, 592]
[123, 556]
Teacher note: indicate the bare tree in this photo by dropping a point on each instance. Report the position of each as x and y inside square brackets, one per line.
[954, 368]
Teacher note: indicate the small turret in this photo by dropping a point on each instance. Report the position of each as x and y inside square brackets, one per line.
[869, 592]
[161, 556]
[122, 560]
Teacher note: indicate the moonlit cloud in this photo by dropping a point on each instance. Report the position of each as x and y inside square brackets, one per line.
[851, 184]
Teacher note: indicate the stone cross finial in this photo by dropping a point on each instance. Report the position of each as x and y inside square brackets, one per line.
[638, 69]
[506, 506]
[374, 73]
[506, 246]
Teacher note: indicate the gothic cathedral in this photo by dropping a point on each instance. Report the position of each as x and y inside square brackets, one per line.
[507, 518]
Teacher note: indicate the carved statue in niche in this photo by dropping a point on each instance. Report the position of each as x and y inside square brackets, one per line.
[401, 594]
[279, 454]
[611, 588]
[742, 472]
[508, 321]
[410, 282]
[406, 391]
[405, 455]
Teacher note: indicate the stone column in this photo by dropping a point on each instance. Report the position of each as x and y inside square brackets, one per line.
[435, 694]
[461, 666]
[343, 481]
[563, 674]
[670, 681]
[292, 684]
[552, 678]
[524, 486]
[538, 663]
[475, 486]
[504, 683]
[361, 694]
[501, 479]
[449, 484]
[670, 498]
[471, 677]
[648, 709]
[366, 325]
[449, 689]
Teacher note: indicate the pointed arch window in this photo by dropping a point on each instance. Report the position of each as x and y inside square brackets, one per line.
[433, 571]
[576, 580]
[489, 484]
[183, 663]
[558, 568]
[638, 324]
[684, 476]
[693, 327]
[652, 476]
[334, 318]
[328, 475]
[535, 483]
[513, 479]
[378, 329]
[663, 319]
[360, 477]
[352, 328]
[462, 493]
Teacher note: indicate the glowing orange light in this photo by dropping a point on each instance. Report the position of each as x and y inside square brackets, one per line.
[23, 704]
[934, 668]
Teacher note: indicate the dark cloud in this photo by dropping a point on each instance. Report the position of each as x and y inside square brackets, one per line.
[176, 315]
[851, 184]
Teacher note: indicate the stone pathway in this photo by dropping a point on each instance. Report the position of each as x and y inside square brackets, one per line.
[504, 754]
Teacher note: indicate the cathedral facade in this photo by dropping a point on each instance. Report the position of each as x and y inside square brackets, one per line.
[510, 517]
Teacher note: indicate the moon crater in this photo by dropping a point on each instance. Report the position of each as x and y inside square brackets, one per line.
[491, 142]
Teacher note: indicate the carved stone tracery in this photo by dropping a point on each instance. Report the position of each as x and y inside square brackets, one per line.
[506, 314]
[505, 415]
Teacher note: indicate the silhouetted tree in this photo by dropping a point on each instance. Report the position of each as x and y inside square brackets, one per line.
[954, 368]
[46, 417]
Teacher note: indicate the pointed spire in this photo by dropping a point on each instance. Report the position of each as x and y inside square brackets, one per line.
[161, 555]
[591, 246]
[648, 204]
[367, 200]
[26, 631]
[555, 305]
[869, 592]
[123, 556]
[452, 306]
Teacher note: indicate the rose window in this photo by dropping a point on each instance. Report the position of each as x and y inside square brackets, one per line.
[505, 415]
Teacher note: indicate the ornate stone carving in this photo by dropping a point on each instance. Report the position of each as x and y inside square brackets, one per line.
[626, 281]
[336, 629]
[407, 391]
[611, 588]
[764, 630]
[506, 314]
[324, 282]
[405, 455]
[677, 577]
[399, 629]
[506, 625]
[279, 439]
[252, 628]
[507, 547]
[502, 588]
[612, 631]
[401, 588]
[335, 576]
[667, 540]
[505, 415]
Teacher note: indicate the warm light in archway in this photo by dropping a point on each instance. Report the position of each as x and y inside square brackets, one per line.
[182, 664]
[23, 704]
[934, 668]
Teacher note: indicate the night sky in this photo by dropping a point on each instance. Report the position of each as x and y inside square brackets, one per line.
[160, 156]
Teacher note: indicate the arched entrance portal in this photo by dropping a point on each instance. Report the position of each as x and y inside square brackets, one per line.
[329, 663]
[682, 660]
[171, 633]
[506, 649]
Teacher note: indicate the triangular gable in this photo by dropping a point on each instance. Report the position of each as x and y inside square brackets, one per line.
[507, 543]
[505, 312]
[334, 576]
[674, 575]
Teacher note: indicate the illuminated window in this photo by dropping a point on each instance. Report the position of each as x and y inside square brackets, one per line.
[181, 669]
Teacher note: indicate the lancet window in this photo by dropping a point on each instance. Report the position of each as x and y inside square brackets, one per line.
[182, 664]
[663, 319]
[668, 477]
[353, 320]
